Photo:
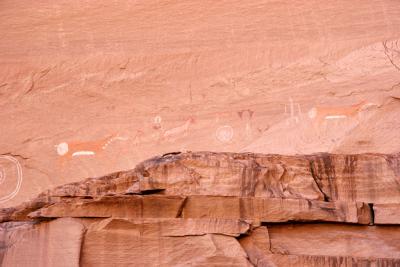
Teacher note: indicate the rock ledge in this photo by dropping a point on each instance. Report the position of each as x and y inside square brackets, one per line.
[203, 208]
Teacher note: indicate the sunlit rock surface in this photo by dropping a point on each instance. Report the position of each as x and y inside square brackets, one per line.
[304, 94]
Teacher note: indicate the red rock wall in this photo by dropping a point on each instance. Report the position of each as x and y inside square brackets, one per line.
[91, 87]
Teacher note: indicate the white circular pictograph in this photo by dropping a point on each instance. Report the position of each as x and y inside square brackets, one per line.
[224, 133]
[312, 113]
[10, 178]
[62, 148]
[2, 175]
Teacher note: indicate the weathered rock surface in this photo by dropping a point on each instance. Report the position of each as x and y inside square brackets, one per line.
[148, 206]
[371, 178]
[387, 213]
[55, 243]
[273, 209]
[216, 209]
[120, 242]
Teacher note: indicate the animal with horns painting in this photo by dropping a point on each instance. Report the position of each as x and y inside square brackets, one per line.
[320, 114]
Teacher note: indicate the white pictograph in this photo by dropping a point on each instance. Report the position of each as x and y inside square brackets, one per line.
[181, 130]
[157, 119]
[246, 115]
[10, 174]
[293, 112]
[224, 133]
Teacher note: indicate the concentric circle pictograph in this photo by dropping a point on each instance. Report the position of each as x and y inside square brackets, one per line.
[2, 175]
[10, 177]
[224, 133]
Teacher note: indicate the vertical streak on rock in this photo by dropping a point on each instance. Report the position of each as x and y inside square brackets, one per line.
[394, 163]
[372, 213]
[181, 208]
[348, 172]
[141, 207]
[317, 179]
[257, 246]
[364, 215]
[250, 177]
[81, 248]
[330, 172]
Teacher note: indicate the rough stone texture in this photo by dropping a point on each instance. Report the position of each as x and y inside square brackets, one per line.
[119, 207]
[258, 246]
[123, 243]
[161, 206]
[216, 209]
[55, 243]
[335, 240]
[370, 178]
[272, 209]
[323, 245]
[387, 213]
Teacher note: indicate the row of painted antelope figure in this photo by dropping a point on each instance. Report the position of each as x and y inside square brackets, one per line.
[91, 148]
[318, 114]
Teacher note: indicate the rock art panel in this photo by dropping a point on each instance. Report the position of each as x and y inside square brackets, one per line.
[67, 77]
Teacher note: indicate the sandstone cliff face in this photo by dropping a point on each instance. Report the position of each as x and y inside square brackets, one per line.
[216, 209]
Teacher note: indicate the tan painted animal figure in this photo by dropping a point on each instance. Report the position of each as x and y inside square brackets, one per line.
[321, 113]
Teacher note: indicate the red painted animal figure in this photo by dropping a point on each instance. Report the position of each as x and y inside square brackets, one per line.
[137, 139]
[89, 148]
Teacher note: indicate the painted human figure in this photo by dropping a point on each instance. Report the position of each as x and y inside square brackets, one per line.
[294, 112]
[246, 115]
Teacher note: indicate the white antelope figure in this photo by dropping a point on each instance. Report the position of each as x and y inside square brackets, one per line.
[178, 131]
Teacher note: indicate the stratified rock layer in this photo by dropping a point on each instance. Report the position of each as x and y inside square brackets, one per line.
[213, 209]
